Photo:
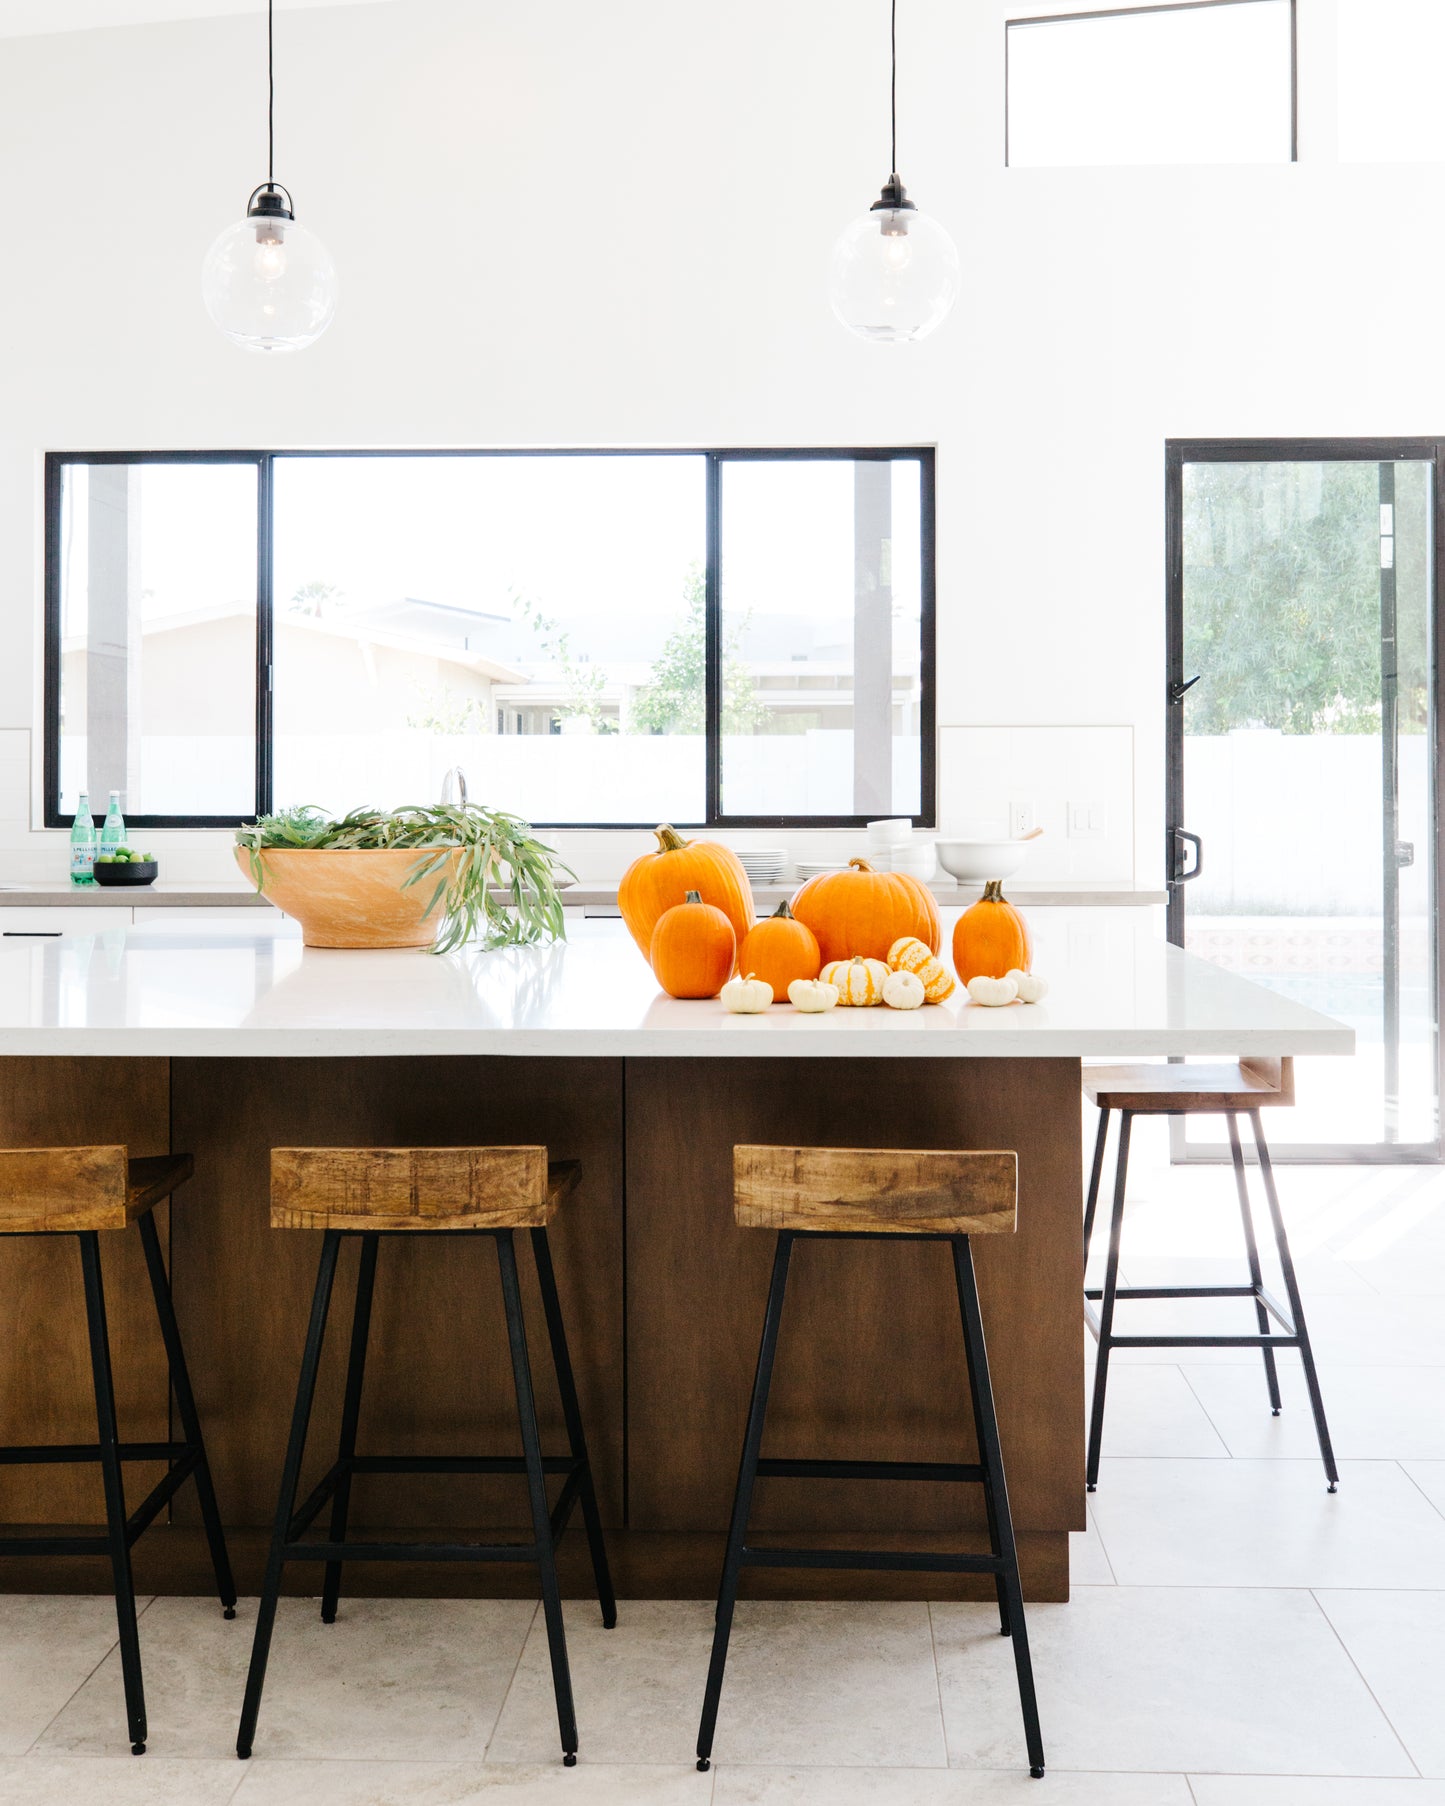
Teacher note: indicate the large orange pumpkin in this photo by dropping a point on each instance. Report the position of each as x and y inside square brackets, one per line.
[865, 912]
[779, 949]
[660, 881]
[693, 949]
[991, 939]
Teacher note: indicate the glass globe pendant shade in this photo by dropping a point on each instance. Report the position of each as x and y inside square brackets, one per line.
[268, 283]
[895, 272]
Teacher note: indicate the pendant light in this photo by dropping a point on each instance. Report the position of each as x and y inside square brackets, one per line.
[895, 271]
[269, 284]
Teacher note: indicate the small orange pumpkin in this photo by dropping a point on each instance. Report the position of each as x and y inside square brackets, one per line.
[660, 881]
[859, 981]
[693, 949]
[779, 949]
[862, 911]
[910, 955]
[991, 939]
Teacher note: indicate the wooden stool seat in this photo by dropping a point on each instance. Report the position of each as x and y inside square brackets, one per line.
[857, 1195]
[872, 1191]
[476, 1192]
[417, 1188]
[1191, 1088]
[65, 1191]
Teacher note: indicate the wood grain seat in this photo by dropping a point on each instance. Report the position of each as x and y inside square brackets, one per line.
[808, 1195]
[65, 1191]
[417, 1188]
[1193, 1088]
[873, 1191]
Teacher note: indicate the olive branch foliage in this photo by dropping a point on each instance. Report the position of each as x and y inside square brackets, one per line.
[503, 890]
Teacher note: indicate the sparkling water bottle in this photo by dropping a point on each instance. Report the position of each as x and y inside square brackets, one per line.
[112, 835]
[82, 844]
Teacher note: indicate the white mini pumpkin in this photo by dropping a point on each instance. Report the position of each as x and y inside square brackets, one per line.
[1032, 988]
[993, 992]
[747, 996]
[903, 991]
[812, 995]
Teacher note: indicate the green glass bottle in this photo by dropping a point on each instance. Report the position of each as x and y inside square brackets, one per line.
[82, 844]
[112, 834]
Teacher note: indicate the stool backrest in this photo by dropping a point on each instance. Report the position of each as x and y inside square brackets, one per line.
[408, 1188]
[58, 1190]
[877, 1191]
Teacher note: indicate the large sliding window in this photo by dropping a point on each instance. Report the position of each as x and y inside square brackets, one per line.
[597, 638]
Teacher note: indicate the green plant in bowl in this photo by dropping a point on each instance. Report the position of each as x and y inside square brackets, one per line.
[502, 889]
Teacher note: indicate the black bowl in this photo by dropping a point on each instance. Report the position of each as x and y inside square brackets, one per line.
[118, 877]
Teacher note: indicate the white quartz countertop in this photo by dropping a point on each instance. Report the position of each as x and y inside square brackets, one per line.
[235, 990]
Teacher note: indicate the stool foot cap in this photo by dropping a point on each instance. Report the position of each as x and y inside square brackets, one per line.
[328, 1617]
[1037, 1773]
[138, 1749]
[1334, 1486]
[1091, 1486]
[569, 1759]
[1274, 1410]
[229, 1612]
[243, 1752]
[704, 1763]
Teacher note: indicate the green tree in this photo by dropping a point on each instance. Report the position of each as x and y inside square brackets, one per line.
[1282, 597]
[311, 598]
[674, 698]
[584, 682]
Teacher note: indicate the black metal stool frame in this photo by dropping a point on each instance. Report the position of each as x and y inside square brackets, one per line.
[1001, 1561]
[1292, 1333]
[288, 1541]
[185, 1460]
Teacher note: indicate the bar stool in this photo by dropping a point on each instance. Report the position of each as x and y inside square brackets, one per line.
[376, 1192]
[857, 1194]
[1240, 1088]
[82, 1192]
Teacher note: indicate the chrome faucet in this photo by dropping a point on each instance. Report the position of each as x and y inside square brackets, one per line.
[455, 779]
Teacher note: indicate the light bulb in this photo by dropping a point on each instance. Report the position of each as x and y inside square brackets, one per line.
[895, 271]
[269, 283]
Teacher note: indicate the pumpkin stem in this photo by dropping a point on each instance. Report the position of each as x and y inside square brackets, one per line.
[993, 891]
[861, 865]
[669, 840]
[783, 911]
[693, 896]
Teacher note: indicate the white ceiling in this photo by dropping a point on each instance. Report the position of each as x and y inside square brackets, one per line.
[29, 18]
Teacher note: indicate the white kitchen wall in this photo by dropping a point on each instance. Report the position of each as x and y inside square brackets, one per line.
[576, 224]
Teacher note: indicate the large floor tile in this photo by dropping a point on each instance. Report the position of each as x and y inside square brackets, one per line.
[1400, 1274]
[935, 1787]
[1152, 1410]
[392, 1678]
[48, 1646]
[1088, 1559]
[469, 1784]
[1374, 1413]
[1429, 1476]
[848, 1684]
[1312, 1790]
[1165, 1679]
[123, 1780]
[1397, 1641]
[1267, 1524]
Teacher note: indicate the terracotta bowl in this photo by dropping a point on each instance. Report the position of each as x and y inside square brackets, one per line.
[349, 898]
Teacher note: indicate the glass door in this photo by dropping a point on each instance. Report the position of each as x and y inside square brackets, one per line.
[1303, 754]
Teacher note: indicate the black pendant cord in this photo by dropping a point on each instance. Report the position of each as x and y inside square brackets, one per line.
[270, 93]
[893, 90]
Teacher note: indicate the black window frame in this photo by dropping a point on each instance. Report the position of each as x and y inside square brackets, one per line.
[1155, 6]
[715, 458]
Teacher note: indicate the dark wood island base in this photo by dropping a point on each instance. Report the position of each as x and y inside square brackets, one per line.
[663, 1296]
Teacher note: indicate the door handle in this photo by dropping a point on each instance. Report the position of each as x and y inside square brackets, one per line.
[1404, 852]
[1182, 686]
[1177, 872]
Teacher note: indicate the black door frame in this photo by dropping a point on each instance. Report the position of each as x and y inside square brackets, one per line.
[1178, 453]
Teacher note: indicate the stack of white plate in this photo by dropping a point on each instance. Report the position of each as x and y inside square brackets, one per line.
[814, 868]
[764, 865]
[916, 858]
[884, 839]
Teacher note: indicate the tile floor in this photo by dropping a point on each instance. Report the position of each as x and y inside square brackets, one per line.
[1237, 1637]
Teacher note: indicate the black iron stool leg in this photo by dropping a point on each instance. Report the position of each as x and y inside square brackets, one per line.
[290, 1483]
[110, 1471]
[1095, 1174]
[990, 1454]
[537, 1494]
[1296, 1305]
[963, 1276]
[1256, 1273]
[572, 1413]
[350, 1417]
[1106, 1305]
[743, 1499]
[186, 1410]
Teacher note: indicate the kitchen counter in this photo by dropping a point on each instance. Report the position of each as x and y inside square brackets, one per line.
[228, 1038]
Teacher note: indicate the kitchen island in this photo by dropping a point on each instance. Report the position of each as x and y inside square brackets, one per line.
[228, 1040]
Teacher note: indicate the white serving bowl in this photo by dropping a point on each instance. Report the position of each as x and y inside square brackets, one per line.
[978, 861]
